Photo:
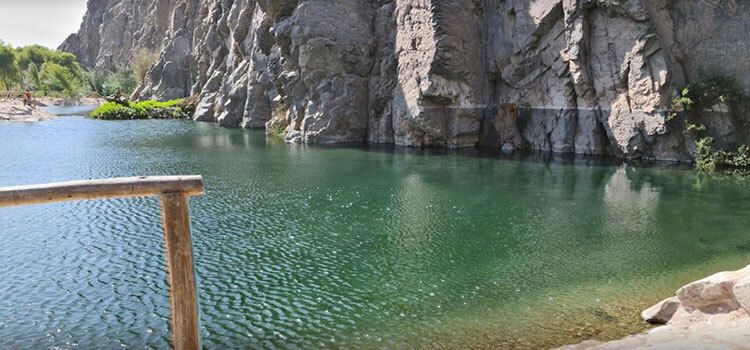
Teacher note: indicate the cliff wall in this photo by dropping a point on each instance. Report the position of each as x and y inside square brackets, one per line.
[570, 76]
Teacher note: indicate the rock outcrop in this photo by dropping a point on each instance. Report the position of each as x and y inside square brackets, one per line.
[712, 313]
[592, 77]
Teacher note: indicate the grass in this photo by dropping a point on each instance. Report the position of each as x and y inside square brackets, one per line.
[148, 109]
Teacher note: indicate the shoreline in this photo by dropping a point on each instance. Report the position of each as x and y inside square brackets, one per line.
[711, 313]
[14, 110]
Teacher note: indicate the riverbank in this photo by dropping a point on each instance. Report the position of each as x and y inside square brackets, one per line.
[712, 313]
[15, 111]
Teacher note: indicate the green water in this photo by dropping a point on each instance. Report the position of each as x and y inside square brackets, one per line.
[355, 247]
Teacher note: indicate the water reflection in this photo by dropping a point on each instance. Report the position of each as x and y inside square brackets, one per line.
[629, 208]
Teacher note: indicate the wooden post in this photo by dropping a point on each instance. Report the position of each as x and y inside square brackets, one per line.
[183, 300]
[173, 192]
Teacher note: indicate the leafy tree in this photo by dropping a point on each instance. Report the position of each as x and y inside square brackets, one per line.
[31, 54]
[32, 79]
[39, 55]
[66, 60]
[57, 78]
[8, 69]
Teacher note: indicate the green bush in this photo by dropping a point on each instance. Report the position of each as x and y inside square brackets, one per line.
[107, 83]
[706, 91]
[709, 159]
[705, 158]
[31, 77]
[149, 109]
[40, 55]
[113, 111]
[48, 70]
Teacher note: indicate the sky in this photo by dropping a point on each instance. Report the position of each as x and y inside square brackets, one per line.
[44, 22]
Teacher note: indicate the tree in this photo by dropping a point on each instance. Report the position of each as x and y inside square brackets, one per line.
[39, 55]
[58, 78]
[31, 54]
[8, 69]
[32, 79]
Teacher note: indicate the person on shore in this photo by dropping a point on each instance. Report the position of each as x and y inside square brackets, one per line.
[28, 98]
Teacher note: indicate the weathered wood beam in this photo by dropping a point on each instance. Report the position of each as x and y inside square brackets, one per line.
[183, 301]
[100, 189]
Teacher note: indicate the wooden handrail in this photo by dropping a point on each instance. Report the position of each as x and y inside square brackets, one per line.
[175, 217]
[99, 189]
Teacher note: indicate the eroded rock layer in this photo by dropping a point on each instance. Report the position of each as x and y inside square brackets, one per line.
[571, 76]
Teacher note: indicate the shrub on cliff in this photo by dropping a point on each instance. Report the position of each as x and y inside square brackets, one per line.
[709, 159]
[141, 63]
[705, 93]
[149, 109]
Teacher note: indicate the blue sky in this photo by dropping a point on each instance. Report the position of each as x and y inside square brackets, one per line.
[45, 22]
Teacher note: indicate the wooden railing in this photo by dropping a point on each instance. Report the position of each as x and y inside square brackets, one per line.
[173, 192]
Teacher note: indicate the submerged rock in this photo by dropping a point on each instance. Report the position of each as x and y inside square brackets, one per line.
[587, 77]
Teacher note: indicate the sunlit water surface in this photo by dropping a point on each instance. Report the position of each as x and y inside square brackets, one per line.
[309, 247]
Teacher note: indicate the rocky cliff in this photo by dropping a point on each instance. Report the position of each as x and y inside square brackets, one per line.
[570, 76]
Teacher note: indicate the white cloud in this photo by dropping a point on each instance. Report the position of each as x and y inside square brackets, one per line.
[44, 22]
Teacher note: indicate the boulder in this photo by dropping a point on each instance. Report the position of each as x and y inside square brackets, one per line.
[662, 312]
[711, 313]
[712, 294]
[741, 292]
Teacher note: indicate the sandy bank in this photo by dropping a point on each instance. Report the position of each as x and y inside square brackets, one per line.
[709, 314]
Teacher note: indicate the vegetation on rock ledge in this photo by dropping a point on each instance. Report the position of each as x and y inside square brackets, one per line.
[149, 109]
[706, 93]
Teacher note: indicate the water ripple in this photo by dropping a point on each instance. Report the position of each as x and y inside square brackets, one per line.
[301, 247]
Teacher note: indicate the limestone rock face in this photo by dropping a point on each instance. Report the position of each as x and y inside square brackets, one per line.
[567, 76]
[113, 30]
